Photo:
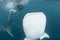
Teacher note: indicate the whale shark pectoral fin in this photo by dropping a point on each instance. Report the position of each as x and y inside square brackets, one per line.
[27, 39]
[45, 35]
[10, 33]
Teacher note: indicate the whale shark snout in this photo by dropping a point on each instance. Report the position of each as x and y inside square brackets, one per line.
[34, 26]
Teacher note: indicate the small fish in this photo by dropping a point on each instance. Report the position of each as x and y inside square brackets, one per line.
[7, 29]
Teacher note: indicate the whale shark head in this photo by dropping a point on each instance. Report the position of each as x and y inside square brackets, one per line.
[34, 24]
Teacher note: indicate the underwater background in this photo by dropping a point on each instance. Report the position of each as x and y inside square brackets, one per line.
[51, 8]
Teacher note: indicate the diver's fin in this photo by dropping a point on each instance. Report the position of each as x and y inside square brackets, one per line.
[2, 28]
[10, 33]
[9, 27]
[45, 35]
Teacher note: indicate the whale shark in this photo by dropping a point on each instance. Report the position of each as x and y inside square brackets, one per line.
[34, 25]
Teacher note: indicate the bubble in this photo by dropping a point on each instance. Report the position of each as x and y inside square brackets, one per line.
[9, 5]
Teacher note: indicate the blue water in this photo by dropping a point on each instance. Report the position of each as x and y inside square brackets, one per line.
[51, 8]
